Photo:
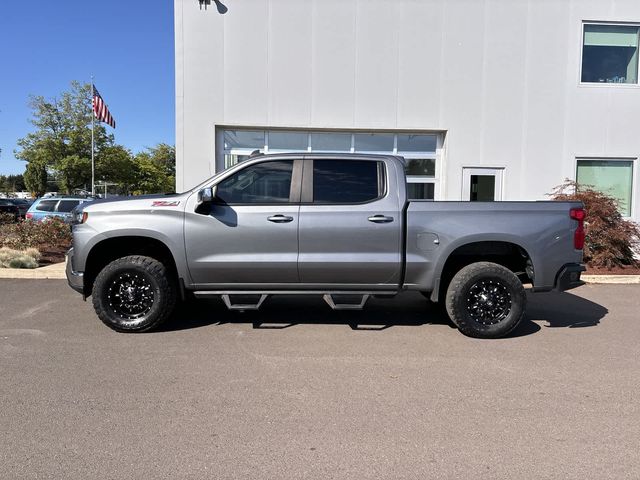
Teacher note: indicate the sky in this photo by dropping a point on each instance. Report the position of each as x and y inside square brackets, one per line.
[128, 46]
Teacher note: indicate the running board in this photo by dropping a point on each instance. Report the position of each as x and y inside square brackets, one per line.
[331, 297]
[346, 306]
[243, 306]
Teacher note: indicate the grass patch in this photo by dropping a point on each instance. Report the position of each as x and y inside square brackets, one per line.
[10, 258]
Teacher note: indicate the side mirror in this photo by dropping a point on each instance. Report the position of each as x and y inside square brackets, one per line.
[206, 195]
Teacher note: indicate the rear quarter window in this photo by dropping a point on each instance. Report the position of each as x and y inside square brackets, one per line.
[46, 205]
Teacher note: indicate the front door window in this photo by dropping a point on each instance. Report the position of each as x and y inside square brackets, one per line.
[263, 183]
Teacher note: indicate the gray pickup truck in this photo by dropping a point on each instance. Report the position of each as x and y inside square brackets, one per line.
[333, 225]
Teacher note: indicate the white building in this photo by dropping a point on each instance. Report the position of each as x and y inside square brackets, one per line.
[491, 99]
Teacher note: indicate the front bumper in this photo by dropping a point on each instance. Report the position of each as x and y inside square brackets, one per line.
[75, 279]
[569, 277]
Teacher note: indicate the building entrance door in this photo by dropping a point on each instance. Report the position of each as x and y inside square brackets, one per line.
[482, 184]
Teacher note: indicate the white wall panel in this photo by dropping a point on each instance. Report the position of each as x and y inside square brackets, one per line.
[245, 62]
[503, 88]
[420, 32]
[290, 59]
[376, 75]
[500, 77]
[546, 101]
[201, 83]
[461, 88]
[333, 63]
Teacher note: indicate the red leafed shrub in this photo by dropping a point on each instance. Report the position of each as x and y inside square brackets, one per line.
[611, 241]
[52, 233]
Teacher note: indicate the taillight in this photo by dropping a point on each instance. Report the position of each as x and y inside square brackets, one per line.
[578, 237]
[29, 215]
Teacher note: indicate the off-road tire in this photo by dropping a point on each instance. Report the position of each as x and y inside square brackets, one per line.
[148, 279]
[478, 292]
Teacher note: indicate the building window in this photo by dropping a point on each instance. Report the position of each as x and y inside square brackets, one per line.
[373, 142]
[420, 191]
[330, 142]
[287, 141]
[610, 53]
[612, 177]
[421, 166]
[238, 145]
[417, 143]
[418, 149]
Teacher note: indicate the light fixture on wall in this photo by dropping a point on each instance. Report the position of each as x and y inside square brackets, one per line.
[222, 8]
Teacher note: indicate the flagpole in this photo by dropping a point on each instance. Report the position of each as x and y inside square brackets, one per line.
[93, 165]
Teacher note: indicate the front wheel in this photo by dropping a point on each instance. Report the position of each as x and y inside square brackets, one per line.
[134, 294]
[485, 300]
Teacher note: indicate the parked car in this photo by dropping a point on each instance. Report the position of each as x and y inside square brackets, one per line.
[333, 225]
[7, 207]
[46, 208]
[22, 204]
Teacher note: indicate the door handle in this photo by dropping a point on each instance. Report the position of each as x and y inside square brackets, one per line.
[380, 219]
[280, 218]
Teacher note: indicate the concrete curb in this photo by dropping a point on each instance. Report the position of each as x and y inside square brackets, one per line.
[611, 278]
[57, 271]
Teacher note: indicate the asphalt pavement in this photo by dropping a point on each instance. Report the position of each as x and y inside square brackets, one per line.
[297, 391]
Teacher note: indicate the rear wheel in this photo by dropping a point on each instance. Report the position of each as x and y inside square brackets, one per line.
[485, 300]
[134, 294]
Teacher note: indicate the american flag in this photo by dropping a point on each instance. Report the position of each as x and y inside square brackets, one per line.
[100, 109]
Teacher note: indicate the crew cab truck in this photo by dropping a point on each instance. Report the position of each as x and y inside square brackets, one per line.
[339, 226]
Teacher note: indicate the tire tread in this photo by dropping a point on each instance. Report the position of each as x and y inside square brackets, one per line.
[154, 268]
[455, 295]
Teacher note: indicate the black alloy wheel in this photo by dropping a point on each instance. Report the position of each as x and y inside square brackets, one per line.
[489, 301]
[131, 296]
[134, 294]
[485, 300]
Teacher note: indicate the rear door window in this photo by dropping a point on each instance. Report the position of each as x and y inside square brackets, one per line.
[347, 181]
[65, 206]
[46, 205]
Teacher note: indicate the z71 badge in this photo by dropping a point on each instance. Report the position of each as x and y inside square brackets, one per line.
[165, 203]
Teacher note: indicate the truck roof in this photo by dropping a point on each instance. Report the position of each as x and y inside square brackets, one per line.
[328, 155]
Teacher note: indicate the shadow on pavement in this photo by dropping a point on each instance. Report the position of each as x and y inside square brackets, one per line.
[280, 312]
[407, 309]
[564, 310]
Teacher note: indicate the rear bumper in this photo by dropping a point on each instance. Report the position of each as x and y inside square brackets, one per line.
[75, 279]
[569, 277]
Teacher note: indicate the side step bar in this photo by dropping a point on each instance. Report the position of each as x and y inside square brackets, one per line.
[337, 300]
[346, 306]
[243, 306]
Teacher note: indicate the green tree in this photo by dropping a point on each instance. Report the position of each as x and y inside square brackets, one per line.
[63, 132]
[74, 172]
[35, 178]
[116, 165]
[156, 169]
[164, 156]
[11, 183]
[61, 145]
[16, 182]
